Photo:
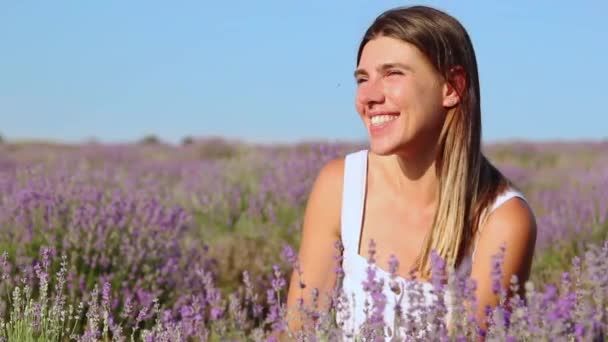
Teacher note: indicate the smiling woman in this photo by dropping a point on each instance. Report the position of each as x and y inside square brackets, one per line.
[422, 186]
[400, 80]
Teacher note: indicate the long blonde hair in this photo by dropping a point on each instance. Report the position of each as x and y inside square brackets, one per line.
[468, 182]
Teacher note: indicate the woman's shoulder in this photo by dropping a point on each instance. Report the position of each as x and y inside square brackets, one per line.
[511, 221]
[331, 174]
[508, 195]
[325, 199]
[323, 208]
[510, 209]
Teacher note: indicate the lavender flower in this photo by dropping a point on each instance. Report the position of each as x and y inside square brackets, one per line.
[146, 227]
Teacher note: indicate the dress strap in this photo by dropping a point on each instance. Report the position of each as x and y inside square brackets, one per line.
[353, 198]
[500, 200]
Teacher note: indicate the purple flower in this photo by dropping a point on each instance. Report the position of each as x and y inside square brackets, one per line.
[579, 331]
[289, 255]
[393, 265]
[497, 270]
[278, 282]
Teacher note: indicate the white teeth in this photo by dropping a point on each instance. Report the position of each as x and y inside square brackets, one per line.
[376, 120]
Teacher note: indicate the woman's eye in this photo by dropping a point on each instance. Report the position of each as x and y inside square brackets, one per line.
[360, 80]
[394, 72]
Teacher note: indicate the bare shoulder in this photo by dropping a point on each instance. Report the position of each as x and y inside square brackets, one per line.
[513, 222]
[331, 174]
[325, 198]
[320, 231]
[513, 226]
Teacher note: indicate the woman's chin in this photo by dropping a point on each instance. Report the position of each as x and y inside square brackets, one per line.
[382, 147]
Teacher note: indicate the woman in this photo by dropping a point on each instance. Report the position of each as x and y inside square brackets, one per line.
[424, 183]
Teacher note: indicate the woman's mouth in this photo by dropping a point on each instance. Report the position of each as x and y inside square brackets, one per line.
[379, 124]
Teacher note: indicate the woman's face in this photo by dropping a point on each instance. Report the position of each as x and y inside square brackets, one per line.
[400, 97]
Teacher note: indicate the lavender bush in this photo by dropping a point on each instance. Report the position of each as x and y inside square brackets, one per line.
[157, 242]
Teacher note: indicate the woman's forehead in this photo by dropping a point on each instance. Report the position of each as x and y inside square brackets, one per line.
[387, 51]
[384, 50]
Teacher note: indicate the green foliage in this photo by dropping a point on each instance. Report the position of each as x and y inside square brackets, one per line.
[217, 149]
[150, 139]
[188, 140]
[549, 263]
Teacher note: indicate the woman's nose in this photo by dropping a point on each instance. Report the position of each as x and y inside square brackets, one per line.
[371, 92]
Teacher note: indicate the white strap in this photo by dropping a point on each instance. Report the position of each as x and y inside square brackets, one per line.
[353, 192]
[500, 200]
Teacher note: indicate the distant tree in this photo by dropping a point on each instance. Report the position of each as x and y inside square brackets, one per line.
[217, 148]
[91, 141]
[1, 139]
[150, 139]
[188, 140]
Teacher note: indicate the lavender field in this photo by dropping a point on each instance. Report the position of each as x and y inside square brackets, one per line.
[195, 242]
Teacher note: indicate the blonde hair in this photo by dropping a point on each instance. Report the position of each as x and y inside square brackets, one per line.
[468, 182]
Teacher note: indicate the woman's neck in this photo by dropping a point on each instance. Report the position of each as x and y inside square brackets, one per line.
[413, 177]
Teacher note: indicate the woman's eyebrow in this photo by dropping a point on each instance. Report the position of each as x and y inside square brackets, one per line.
[359, 72]
[395, 65]
[383, 67]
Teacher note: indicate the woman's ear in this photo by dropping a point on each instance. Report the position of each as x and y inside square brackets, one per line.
[454, 87]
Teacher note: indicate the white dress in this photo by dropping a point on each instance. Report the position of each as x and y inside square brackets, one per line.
[355, 266]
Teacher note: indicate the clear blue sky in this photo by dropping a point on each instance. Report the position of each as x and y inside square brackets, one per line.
[278, 70]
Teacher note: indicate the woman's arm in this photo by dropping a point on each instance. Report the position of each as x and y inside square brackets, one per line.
[514, 225]
[321, 230]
